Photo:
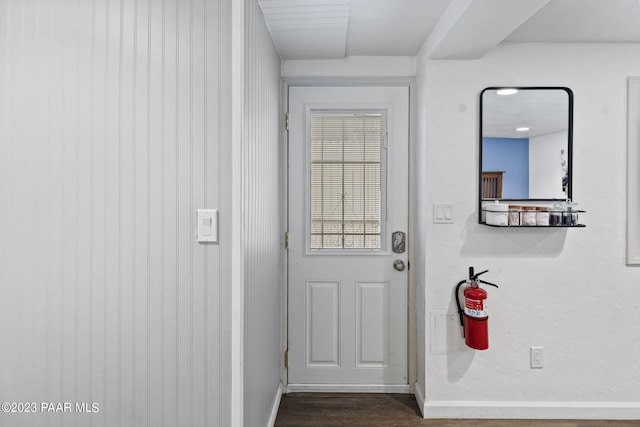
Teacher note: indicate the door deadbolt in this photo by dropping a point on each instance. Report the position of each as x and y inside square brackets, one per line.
[398, 244]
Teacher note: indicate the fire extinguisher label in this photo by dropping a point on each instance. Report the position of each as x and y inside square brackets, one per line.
[475, 308]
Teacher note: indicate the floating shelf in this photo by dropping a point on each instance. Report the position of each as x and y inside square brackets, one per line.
[520, 213]
[535, 226]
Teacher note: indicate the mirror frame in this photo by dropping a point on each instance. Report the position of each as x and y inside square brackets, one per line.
[569, 143]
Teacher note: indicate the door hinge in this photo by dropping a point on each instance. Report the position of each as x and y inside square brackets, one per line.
[286, 240]
[286, 120]
[286, 359]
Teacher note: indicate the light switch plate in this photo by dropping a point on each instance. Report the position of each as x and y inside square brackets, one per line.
[207, 225]
[443, 213]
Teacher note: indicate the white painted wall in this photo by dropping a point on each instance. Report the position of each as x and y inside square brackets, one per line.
[261, 234]
[566, 290]
[422, 216]
[545, 165]
[351, 67]
[114, 128]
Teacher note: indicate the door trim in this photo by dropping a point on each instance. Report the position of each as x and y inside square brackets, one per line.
[413, 364]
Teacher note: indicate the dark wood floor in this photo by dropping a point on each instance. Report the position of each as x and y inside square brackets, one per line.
[398, 410]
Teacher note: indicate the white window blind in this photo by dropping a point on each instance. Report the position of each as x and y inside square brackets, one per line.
[346, 180]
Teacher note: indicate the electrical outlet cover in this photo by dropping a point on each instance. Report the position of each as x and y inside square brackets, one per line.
[537, 359]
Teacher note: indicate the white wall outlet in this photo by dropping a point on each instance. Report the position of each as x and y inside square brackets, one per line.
[537, 360]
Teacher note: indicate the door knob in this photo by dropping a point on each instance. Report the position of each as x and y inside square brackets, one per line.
[398, 265]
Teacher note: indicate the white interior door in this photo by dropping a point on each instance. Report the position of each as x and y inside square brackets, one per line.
[348, 193]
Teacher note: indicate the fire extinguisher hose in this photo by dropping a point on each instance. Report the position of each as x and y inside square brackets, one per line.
[460, 312]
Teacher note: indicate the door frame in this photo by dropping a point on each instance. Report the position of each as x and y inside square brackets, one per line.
[410, 82]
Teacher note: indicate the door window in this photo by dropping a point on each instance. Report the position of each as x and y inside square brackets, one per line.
[347, 166]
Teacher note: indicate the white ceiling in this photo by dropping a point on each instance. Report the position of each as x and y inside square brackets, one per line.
[590, 21]
[391, 28]
[333, 29]
[542, 111]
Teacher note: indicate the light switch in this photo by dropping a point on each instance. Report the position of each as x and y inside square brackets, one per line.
[443, 213]
[206, 226]
[207, 220]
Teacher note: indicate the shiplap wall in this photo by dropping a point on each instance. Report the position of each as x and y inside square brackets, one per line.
[261, 224]
[111, 114]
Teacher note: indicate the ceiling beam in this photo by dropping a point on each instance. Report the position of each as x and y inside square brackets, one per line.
[470, 28]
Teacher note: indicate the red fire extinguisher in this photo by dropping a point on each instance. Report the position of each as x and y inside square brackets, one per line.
[474, 317]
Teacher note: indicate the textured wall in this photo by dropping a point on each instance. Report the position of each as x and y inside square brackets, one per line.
[545, 165]
[110, 116]
[261, 220]
[566, 290]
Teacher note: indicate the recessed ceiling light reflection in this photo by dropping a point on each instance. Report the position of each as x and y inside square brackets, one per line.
[507, 91]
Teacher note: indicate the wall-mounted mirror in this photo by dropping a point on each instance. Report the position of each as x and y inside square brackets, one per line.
[526, 143]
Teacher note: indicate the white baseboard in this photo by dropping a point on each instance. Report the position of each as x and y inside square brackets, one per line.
[348, 388]
[534, 410]
[419, 395]
[527, 410]
[276, 406]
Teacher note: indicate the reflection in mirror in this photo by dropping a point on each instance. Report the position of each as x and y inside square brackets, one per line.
[526, 143]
